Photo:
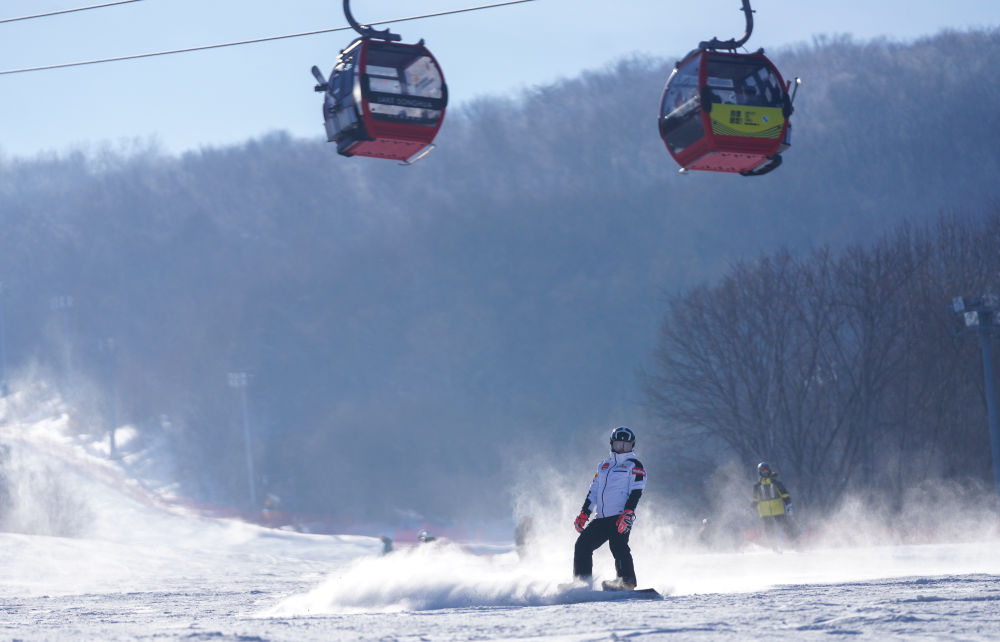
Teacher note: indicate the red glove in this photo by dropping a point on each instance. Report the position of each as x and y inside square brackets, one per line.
[581, 521]
[625, 521]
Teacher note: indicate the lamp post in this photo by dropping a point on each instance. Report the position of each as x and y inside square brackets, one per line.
[239, 380]
[980, 314]
[62, 305]
[4, 386]
[108, 346]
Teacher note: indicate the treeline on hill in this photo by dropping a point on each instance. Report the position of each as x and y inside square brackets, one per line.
[845, 370]
[504, 291]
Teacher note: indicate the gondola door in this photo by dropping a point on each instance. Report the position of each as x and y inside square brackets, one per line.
[403, 99]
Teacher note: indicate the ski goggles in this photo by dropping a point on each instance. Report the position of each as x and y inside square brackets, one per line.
[621, 446]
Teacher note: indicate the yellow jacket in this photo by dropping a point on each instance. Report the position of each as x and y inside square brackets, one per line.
[770, 496]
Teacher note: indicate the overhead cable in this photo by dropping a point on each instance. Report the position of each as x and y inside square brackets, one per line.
[62, 11]
[253, 41]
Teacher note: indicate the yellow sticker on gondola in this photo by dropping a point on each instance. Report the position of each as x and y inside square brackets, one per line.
[746, 121]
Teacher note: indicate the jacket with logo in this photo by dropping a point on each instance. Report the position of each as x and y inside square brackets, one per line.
[617, 486]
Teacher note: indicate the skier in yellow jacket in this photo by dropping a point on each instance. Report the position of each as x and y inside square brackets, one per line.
[773, 502]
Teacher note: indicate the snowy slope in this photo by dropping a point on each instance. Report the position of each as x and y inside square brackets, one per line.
[93, 554]
[123, 537]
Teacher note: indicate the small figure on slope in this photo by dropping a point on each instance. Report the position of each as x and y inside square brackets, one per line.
[523, 534]
[613, 496]
[773, 503]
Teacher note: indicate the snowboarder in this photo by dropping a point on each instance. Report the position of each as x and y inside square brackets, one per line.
[614, 494]
[773, 502]
[425, 538]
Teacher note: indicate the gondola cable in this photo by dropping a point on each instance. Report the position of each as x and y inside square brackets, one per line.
[64, 11]
[252, 41]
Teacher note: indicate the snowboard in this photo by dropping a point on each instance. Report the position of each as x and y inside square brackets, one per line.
[651, 593]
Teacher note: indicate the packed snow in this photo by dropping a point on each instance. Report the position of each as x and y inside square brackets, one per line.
[91, 551]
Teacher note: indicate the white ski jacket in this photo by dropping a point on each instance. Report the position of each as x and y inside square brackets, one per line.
[614, 486]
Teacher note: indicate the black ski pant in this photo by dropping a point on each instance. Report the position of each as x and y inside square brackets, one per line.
[593, 537]
[786, 524]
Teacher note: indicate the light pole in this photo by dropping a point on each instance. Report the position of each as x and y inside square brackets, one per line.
[239, 381]
[4, 386]
[107, 346]
[980, 314]
[61, 305]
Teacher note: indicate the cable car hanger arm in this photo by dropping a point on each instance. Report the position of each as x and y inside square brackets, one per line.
[365, 30]
[731, 44]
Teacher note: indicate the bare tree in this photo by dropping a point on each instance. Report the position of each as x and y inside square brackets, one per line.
[841, 370]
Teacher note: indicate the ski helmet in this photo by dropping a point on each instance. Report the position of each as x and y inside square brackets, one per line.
[623, 434]
[764, 469]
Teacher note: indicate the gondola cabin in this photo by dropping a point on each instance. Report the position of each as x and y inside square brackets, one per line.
[725, 112]
[384, 99]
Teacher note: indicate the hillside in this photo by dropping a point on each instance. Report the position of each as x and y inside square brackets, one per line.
[422, 332]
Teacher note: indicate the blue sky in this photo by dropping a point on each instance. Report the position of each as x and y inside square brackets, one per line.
[226, 96]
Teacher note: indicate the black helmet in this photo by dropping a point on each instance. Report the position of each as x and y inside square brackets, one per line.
[764, 469]
[623, 434]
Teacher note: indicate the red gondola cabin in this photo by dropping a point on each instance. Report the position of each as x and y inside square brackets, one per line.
[725, 112]
[383, 99]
